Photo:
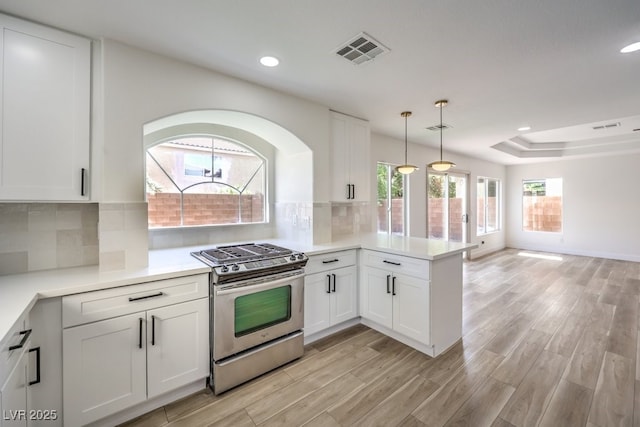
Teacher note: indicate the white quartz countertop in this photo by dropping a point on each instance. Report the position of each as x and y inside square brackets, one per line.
[20, 292]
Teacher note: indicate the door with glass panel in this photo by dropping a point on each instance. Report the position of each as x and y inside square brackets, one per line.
[447, 210]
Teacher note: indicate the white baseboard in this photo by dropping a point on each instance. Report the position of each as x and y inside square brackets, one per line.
[150, 405]
[577, 252]
[308, 339]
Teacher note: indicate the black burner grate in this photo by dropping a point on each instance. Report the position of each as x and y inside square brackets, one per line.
[244, 252]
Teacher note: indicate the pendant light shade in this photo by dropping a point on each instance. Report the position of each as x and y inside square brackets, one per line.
[441, 165]
[406, 168]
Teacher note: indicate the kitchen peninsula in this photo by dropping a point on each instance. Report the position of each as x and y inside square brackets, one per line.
[407, 288]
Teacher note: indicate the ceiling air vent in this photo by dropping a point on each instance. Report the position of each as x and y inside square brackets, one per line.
[436, 128]
[608, 126]
[360, 49]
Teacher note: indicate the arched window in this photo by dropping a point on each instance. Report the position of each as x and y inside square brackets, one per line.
[205, 180]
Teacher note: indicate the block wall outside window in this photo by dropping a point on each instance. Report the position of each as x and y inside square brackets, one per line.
[204, 180]
[542, 205]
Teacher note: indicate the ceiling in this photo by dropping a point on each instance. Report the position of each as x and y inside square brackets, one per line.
[553, 65]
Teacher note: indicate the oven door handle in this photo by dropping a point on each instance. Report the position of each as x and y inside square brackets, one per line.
[257, 285]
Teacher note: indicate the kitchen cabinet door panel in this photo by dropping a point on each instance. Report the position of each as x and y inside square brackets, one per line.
[45, 95]
[317, 303]
[345, 306]
[177, 345]
[13, 396]
[375, 302]
[411, 308]
[104, 368]
[350, 145]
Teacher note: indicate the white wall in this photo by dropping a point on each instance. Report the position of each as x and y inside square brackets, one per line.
[601, 204]
[391, 150]
[140, 87]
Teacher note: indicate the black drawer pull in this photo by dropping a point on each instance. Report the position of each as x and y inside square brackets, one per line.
[334, 283]
[328, 283]
[393, 286]
[37, 380]
[25, 337]
[391, 262]
[388, 277]
[140, 332]
[159, 294]
[329, 261]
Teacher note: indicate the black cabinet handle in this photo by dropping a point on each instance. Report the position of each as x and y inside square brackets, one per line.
[328, 283]
[353, 191]
[159, 294]
[140, 333]
[82, 181]
[388, 277]
[153, 330]
[391, 262]
[393, 286]
[334, 282]
[329, 261]
[348, 191]
[37, 380]
[25, 336]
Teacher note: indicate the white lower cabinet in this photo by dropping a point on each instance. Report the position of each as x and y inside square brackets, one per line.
[396, 301]
[395, 294]
[411, 307]
[113, 364]
[177, 345]
[330, 291]
[31, 369]
[104, 368]
[13, 394]
[330, 298]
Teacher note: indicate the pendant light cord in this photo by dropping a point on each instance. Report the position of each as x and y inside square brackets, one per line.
[441, 133]
[405, 140]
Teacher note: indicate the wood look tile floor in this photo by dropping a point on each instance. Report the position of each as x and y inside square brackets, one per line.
[545, 342]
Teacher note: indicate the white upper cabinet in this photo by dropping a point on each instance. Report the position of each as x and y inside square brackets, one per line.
[350, 138]
[44, 112]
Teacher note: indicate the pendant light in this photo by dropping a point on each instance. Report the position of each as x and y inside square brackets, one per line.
[441, 165]
[406, 168]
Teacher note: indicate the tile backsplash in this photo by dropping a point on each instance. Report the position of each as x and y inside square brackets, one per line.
[124, 235]
[41, 236]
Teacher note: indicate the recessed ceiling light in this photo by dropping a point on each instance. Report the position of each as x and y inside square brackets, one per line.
[630, 48]
[269, 61]
[524, 128]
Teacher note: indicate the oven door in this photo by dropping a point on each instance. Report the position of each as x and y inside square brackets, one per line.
[258, 311]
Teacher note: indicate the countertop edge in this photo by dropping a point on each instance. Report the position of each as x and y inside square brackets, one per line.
[30, 288]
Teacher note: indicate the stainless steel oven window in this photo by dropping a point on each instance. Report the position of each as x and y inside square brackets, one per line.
[261, 309]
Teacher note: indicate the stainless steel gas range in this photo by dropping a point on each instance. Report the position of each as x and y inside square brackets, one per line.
[257, 303]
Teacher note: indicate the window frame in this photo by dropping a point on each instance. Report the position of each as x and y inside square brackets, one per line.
[561, 231]
[498, 182]
[405, 202]
[265, 165]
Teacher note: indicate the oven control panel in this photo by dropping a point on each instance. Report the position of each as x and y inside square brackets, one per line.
[268, 265]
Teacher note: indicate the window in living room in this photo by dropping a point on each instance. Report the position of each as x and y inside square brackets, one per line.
[542, 205]
[488, 203]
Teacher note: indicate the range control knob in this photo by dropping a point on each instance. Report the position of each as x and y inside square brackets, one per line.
[224, 269]
[292, 257]
[300, 256]
[235, 267]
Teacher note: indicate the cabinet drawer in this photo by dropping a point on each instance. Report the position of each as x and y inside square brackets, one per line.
[330, 261]
[397, 263]
[99, 305]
